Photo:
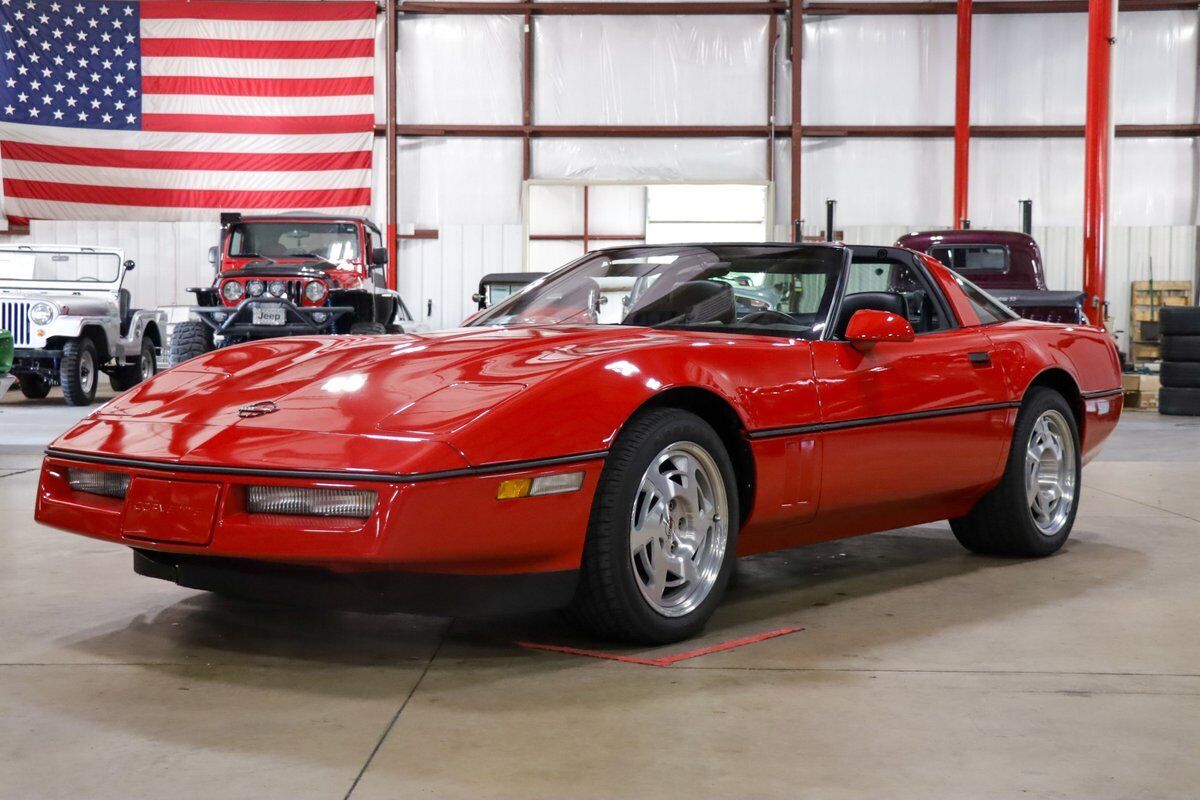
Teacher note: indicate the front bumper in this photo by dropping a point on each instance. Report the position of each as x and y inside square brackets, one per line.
[372, 592]
[238, 322]
[442, 526]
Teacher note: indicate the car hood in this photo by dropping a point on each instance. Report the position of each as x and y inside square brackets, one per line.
[386, 403]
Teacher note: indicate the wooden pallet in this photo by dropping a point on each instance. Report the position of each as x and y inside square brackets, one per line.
[1145, 300]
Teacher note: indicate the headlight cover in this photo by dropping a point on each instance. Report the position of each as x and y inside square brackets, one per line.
[232, 291]
[42, 313]
[305, 502]
[255, 288]
[315, 291]
[95, 481]
[276, 288]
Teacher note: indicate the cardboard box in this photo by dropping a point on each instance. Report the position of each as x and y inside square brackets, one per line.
[1141, 391]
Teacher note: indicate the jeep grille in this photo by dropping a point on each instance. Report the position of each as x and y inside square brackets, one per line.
[14, 318]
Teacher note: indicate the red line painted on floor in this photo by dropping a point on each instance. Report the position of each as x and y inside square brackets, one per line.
[665, 661]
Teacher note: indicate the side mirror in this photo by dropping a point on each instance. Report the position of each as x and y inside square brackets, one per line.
[129, 264]
[213, 255]
[867, 327]
[379, 256]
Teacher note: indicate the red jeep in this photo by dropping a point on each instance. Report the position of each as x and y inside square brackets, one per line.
[288, 275]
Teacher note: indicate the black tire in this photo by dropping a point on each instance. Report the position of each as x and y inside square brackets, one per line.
[608, 602]
[1180, 348]
[1179, 401]
[1179, 321]
[368, 329]
[1180, 374]
[190, 338]
[34, 387]
[1001, 522]
[78, 372]
[124, 378]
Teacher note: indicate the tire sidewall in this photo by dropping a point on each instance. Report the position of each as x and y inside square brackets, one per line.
[1036, 404]
[622, 475]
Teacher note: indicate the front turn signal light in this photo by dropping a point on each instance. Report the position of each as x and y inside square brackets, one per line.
[560, 483]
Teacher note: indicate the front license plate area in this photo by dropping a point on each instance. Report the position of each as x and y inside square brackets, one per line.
[179, 512]
[268, 315]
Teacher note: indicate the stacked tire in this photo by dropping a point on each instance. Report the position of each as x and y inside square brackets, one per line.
[1180, 376]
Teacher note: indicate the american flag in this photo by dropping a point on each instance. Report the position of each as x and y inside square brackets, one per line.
[171, 110]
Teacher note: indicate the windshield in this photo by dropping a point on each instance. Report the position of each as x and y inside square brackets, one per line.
[748, 288]
[43, 267]
[327, 241]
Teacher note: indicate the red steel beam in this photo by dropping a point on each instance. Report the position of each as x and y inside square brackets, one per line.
[1095, 156]
[390, 147]
[816, 9]
[1183, 131]
[795, 131]
[962, 114]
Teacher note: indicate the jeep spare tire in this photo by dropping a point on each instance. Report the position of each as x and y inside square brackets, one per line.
[190, 338]
[77, 371]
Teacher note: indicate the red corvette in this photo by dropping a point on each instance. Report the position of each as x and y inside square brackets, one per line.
[608, 440]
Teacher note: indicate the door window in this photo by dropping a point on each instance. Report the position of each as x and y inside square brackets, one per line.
[925, 314]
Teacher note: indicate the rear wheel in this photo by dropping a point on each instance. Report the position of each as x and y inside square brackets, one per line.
[126, 377]
[190, 338]
[34, 387]
[1032, 509]
[77, 371]
[662, 537]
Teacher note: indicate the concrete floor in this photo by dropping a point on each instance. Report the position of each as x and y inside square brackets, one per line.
[921, 672]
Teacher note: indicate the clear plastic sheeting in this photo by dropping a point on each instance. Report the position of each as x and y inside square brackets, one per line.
[864, 70]
[459, 181]
[459, 68]
[650, 70]
[1032, 69]
[650, 159]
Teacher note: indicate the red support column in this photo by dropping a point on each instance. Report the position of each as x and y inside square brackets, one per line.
[390, 148]
[1097, 132]
[962, 114]
[796, 51]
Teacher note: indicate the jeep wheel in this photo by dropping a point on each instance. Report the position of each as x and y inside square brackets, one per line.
[77, 372]
[34, 387]
[367, 329]
[129, 376]
[189, 339]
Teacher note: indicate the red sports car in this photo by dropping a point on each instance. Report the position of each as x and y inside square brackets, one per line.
[607, 440]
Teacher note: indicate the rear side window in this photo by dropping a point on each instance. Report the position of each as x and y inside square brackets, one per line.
[972, 258]
[988, 308]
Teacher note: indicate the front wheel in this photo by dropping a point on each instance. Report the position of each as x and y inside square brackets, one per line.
[662, 536]
[77, 372]
[190, 338]
[1032, 510]
[368, 329]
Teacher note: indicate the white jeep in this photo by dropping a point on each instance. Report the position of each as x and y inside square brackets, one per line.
[71, 319]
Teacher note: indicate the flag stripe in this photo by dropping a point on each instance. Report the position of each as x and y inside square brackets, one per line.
[257, 87]
[190, 142]
[237, 10]
[180, 179]
[259, 68]
[166, 159]
[350, 107]
[212, 123]
[290, 30]
[48, 209]
[214, 48]
[186, 198]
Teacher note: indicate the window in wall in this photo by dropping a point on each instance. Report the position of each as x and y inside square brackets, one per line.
[706, 213]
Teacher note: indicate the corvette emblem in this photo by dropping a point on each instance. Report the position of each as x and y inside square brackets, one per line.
[257, 409]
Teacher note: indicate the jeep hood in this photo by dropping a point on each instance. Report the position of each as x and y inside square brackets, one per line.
[380, 403]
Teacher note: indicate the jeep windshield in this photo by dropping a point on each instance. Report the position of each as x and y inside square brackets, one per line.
[27, 266]
[332, 242]
[782, 290]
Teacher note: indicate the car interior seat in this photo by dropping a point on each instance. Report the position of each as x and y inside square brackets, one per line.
[691, 303]
[892, 302]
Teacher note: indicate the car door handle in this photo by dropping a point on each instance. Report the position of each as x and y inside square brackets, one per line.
[980, 359]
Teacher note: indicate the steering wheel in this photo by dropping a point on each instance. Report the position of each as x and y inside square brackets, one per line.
[767, 318]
